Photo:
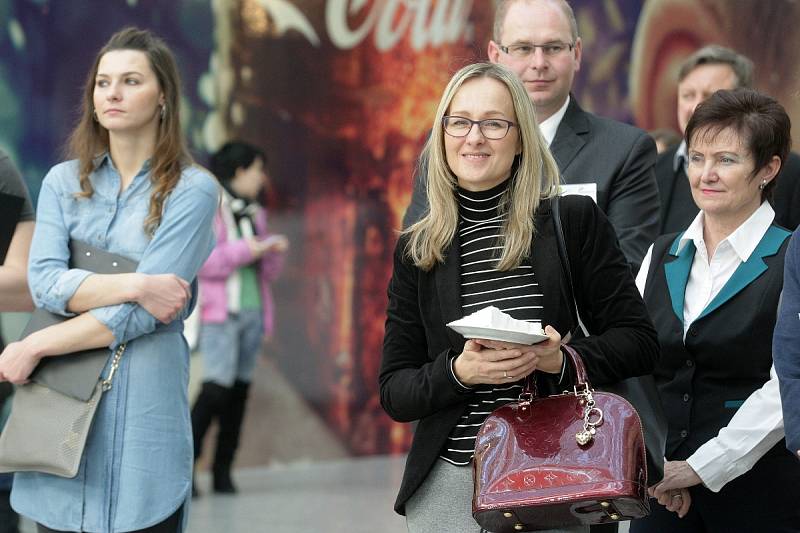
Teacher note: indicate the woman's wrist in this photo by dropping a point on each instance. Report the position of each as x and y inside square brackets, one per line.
[459, 381]
[37, 344]
[552, 364]
[135, 285]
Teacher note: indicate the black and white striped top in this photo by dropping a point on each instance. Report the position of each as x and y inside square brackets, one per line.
[515, 292]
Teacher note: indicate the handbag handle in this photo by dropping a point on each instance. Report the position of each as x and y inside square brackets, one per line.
[578, 365]
[581, 377]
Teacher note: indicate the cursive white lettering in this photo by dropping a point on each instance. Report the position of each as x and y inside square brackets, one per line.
[446, 21]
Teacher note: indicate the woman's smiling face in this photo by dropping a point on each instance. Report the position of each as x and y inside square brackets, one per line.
[477, 162]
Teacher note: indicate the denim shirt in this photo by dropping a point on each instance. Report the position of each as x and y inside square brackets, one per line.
[137, 465]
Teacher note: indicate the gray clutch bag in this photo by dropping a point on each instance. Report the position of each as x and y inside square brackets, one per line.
[76, 374]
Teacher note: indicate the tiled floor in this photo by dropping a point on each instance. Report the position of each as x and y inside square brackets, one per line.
[343, 496]
[347, 496]
[353, 496]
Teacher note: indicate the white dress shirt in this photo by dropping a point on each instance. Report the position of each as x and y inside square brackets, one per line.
[758, 424]
[549, 127]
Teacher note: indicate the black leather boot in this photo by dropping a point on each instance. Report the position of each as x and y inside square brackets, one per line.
[210, 403]
[230, 428]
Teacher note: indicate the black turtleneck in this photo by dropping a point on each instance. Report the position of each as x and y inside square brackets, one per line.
[515, 292]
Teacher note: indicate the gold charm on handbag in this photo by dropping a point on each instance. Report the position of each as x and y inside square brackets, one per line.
[592, 417]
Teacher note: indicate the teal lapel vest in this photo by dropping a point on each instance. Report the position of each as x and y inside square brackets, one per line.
[677, 271]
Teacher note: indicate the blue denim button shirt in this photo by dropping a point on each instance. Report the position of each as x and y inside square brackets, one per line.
[137, 465]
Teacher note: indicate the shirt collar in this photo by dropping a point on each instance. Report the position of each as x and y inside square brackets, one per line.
[549, 126]
[743, 240]
[105, 159]
[680, 156]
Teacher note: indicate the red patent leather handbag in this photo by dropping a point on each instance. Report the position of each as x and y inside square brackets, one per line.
[563, 460]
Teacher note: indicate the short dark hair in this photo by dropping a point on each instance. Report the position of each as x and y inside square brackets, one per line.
[760, 121]
[232, 156]
[714, 54]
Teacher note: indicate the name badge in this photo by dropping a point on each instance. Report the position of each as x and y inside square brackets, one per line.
[585, 189]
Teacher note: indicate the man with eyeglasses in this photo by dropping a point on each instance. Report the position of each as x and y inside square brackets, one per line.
[706, 71]
[538, 40]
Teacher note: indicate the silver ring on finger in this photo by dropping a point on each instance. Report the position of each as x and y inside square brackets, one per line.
[505, 374]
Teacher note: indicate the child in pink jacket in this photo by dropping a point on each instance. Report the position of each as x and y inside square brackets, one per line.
[236, 307]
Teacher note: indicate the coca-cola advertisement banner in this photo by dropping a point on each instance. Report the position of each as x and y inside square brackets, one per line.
[340, 94]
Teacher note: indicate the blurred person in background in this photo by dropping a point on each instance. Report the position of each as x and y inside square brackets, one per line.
[14, 296]
[236, 307]
[665, 139]
[712, 290]
[706, 71]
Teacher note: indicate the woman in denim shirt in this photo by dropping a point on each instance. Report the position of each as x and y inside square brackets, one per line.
[132, 191]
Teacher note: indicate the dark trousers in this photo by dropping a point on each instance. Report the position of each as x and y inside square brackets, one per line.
[170, 525]
[765, 499]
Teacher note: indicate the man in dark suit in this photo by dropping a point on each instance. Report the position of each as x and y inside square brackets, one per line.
[708, 70]
[538, 39]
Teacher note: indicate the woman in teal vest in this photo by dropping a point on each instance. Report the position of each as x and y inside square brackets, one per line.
[712, 292]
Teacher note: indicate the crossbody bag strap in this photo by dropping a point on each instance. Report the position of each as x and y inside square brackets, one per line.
[563, 258]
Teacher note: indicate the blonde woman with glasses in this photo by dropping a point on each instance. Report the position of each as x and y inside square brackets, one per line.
[488, 240]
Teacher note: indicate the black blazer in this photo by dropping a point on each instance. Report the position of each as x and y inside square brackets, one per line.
[678, 208]
[415, 382]
[618, 157]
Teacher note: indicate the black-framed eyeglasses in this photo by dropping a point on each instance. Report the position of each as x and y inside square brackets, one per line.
[523, 50]
[491, 128]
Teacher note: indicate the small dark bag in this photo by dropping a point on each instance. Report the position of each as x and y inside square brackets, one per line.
[576, 458]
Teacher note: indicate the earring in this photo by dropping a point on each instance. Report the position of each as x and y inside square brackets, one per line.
[163, 111]
[763, 184]
[94, 115]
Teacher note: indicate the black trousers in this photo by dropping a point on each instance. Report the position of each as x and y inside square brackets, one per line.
[170, 525]
[765, 499]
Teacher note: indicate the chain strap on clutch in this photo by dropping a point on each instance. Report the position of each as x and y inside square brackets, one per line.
[114, 366]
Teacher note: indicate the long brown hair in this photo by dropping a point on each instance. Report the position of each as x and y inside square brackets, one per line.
[89, 139]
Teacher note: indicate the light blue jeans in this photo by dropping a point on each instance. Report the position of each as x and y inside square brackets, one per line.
[230, 349]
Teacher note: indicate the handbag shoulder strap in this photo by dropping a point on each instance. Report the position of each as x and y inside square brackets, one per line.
[563, 258]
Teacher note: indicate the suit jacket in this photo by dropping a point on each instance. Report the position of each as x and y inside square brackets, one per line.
[727, 352]
[678, 208]
[786, 345]
[415, 378]
[618, 157]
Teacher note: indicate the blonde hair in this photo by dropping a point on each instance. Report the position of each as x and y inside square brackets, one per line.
[89, 139]
[534, 177]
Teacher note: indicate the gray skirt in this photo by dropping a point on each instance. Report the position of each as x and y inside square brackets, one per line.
[444, 503]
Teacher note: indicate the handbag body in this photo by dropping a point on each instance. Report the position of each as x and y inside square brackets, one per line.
[533, 469]
[46, 431]
[52, 414]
